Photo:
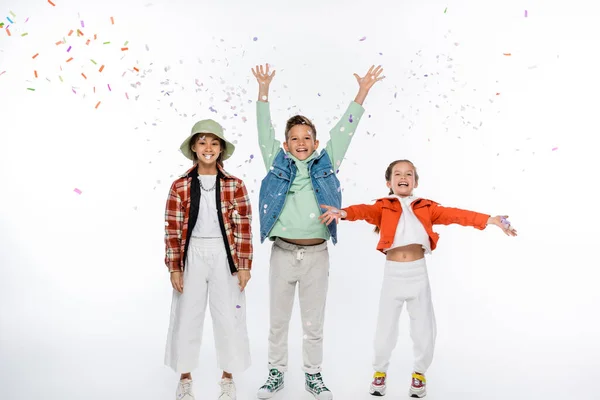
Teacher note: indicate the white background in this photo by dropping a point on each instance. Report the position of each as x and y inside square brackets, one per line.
[84, 293]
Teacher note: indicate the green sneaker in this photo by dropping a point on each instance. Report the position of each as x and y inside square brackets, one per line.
[273, 385]
[315, 386]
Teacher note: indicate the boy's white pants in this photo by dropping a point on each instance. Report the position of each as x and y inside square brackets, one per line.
[207, 274]
[405, 282]
[307, 266]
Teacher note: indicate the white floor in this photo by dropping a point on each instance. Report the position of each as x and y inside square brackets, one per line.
[100, 335]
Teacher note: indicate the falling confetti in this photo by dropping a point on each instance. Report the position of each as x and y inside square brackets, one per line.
[112, 20]
[51, 3]
[36, 54]
[350, 118]
[24, 34]
[2, 73]
[101, 68]
[10, 20]
[82, 74]
[69, 49]
[362, 39]
[35, 73]
[109, 89]
[77, 191]
[525, 13]
[554, 148]
[124, 48]
[70, 59]
[32, 89]
[508, 54]
[446, 9]
[97, 105]
[82, 25]
[255, 38]
[238, 306]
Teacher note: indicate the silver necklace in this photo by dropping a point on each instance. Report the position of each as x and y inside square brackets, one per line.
[207, 190]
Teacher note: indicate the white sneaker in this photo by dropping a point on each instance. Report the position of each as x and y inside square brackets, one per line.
[227, 389]
[184, 390]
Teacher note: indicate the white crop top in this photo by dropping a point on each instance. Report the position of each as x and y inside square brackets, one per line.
[410, 230]
[207, 225]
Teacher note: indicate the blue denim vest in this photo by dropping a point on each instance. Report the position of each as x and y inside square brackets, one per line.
[276, 184]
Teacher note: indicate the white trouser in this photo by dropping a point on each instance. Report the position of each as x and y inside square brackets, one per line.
[405, 282]
[308, 266]
[207, 274]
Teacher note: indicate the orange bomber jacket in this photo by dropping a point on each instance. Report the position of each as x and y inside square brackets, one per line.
[385, 214]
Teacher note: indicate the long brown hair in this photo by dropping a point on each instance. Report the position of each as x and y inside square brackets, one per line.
[223, 148]
[388, 178]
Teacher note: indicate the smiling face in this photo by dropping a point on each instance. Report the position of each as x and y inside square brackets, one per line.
[402, 179]
[301, 142]
[207, 149]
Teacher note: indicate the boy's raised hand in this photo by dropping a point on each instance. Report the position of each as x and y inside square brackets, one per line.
[502, 222]
[262, 75]
[373, 75]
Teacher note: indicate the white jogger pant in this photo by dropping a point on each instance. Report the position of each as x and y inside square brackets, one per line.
[307, 266]
[405, 282]
[207, 274]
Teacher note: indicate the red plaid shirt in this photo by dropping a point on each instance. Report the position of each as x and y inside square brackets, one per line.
[237, 218]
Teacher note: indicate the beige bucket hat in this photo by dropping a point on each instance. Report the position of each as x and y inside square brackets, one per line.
[207, 126]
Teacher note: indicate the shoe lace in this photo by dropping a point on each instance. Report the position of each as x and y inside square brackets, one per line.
[274, 376]
[227, 388]
[186, 388]
[317, 382]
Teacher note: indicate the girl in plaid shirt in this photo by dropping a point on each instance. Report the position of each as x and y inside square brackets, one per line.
[209, 255]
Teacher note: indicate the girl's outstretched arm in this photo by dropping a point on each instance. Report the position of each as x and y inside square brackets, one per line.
[502, 222]
[370, 213]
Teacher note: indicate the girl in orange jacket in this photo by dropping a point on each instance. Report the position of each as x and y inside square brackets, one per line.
[405, 223]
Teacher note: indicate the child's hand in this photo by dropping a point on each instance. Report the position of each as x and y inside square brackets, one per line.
[372, 76]
[243, 278]
[502, 222]
[331, 214]
[262, 75]
[177, 281]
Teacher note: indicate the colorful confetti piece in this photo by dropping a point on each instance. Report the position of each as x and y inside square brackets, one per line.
[35, 73]
[7, 31]
[106, 43]
[126, 43]
[79, 33]
[36, 54]
[77, 191]
[32, 89]
[446, 9]
[97, 105]
[362, 39]
[61, 79]
[82, 25]
[238, 306]
[109, 89]
[59, 42]
[82, 74]
[255, 38]
[51, 3]
[124, 48]
[24, 34]
[1, 24]
[508, 54]
[554, 148]
[525, 13]
[10, 20]
[12, 13]
[69, 49]
[70, 32]
[2, 73]
[126, 95]
[94, 62]
[70, 59]
[101, 68]
[112, 20]
[135, 69]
